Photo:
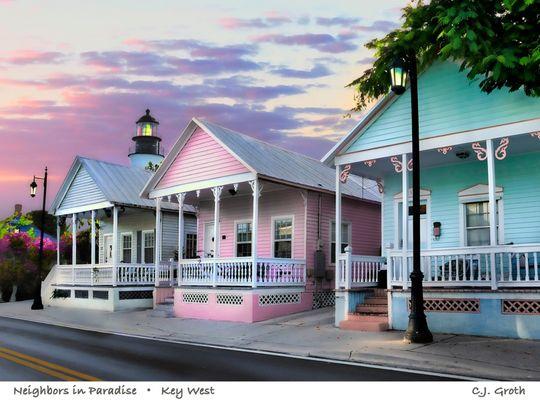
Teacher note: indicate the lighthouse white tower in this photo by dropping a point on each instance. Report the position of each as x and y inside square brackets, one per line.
[147, 147]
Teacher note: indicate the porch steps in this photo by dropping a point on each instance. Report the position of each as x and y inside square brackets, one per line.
[164, 309]
[371, 315]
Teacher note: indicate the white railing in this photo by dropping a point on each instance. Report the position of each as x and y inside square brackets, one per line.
[167, 273]
[105, 275]
[357, 271]
[239, 272]
[500, 266]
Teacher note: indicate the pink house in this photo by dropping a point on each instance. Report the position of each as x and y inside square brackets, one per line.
[265, 226]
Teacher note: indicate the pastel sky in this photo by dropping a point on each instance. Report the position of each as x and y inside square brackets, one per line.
[75, 75]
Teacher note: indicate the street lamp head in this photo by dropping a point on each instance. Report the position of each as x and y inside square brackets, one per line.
[398, 74]
[33, 188]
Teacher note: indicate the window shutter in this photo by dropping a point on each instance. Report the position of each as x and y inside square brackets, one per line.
[140, 244]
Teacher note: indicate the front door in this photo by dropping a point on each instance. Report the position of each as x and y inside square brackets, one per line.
[208, 240]
[108, 248]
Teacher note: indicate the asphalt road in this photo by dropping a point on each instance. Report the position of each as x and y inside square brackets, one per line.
[33, 351]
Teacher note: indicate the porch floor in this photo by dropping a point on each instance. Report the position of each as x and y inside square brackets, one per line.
[312, 334]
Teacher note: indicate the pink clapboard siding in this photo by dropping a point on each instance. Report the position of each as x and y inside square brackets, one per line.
[201, 158]
[365, 219]
[287, 202]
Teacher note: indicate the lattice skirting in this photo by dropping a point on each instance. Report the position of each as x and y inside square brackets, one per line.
[323, 299]
[451, 305]
[523, 307]
[135, 294]
[282, 298]
[195, 298]
[230, 299]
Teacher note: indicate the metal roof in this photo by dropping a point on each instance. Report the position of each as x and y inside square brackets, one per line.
[276, 162]
[120, 184]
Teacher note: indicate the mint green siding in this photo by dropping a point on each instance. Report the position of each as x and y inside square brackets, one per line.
[518, 175]
[449, 102]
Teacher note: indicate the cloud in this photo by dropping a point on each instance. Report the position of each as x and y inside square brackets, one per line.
[270, 21]
[26, 57]
[337, 21]
[377, 26]
[322, 42]
[366, 60]
[317, 71]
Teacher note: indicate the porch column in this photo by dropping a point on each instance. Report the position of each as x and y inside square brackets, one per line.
[92, 245]
[338, 226]
[73, 246]
[404, 219]
[181, 197]
[57, 240]
[217, 200]
[492, 210]
[157, 242]
[115, 245]
[255, 187]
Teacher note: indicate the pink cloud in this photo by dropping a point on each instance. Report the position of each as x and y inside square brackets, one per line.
[23, 57]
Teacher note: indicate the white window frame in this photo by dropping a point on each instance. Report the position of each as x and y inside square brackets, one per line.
[242, 221]
[273, 233]
[122, 248]
[143, 247]
[105, 235]
[463, 218]
[349, 232]
[425, 194]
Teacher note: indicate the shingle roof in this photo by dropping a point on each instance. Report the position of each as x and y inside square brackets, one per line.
[275, 162]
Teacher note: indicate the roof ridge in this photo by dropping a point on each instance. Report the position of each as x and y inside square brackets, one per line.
[113, 164]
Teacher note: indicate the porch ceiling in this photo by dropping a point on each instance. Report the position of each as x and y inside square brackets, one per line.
[518, 144]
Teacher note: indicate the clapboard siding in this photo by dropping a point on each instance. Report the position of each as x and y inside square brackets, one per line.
[201, 158]
[518, 175]
[170, 233]
[82, 191]
[448, 102]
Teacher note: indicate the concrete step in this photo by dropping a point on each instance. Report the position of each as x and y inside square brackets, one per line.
[367, 317]
[367, 326]
[168, 300]
[376, 300]
[372, 309]
[163, 311]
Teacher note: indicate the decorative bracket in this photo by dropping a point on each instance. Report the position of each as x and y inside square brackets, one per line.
[345, 173]
[252, 184]
[500, 152]
[481, 153]
[380, 185]
[235, 187]
[198, 193]
[397, 164]
[181, 197]
[445, 150]
[535, 134]
[410, 165]
[217, 192]
[370, 163]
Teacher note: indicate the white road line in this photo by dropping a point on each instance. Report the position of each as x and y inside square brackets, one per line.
[264, 352]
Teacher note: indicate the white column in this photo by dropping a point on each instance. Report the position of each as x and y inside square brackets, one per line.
[57, 240]
[73, 246]
[181, 197]
[157, 242]
[404, 218]
[217, 200]
[492, 210]
[338, 226]
[93, 238]
[115, 245]
[255, 229]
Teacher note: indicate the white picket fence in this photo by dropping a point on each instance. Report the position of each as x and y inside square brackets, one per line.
[500, 266]
[353, 271]
[105, 275]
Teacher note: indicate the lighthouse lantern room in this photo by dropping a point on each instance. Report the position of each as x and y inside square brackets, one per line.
[147, 147]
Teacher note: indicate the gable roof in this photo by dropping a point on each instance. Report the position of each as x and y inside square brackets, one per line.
[269, 162]
[449, 103]
[118, 184]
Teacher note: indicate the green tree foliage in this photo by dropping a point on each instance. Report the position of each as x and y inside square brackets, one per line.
[496, 41]
[50, 221]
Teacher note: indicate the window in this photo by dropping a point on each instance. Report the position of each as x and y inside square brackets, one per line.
[345, 239]
[126, 247]
[148, 247]
[243, 239]
[190, 249]
[283, 231]
[477, 223]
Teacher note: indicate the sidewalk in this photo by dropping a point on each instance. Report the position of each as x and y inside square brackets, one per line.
[312, 334]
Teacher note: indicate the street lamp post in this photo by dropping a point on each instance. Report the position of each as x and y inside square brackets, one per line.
[38, 304]
[417, 330]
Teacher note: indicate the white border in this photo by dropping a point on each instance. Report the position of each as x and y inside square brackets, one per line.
[272, 233]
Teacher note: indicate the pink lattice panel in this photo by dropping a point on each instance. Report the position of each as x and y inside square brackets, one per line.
[451, 305]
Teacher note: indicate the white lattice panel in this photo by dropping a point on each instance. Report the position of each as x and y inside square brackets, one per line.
[530, 307]
[197, 298]
[230, 299]
[451, 305]
[282, 298]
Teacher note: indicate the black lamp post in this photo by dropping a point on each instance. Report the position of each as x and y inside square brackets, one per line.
[417, 330]
[38, 304]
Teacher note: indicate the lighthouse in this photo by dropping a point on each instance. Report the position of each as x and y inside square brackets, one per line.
[147, 147]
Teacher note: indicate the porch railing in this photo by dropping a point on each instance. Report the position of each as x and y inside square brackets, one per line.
[500, 266]
[354, 271]
[239, 272]
[105, 275]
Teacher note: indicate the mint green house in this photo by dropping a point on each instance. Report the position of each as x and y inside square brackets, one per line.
[480, 193]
